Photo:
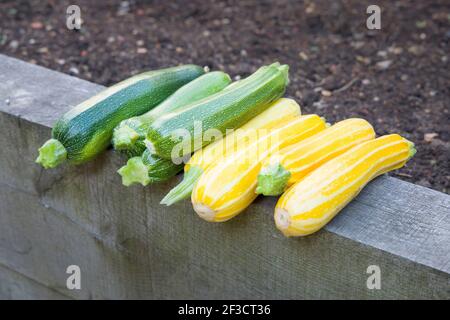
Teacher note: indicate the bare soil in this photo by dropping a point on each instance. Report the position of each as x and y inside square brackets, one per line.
[398, 78]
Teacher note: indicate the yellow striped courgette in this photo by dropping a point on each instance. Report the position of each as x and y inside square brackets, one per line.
[227, 187]
[292, 163]
[311, 203]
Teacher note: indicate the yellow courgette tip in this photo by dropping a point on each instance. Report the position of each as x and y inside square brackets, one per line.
[282, 220]
[51, 154]
[204, 212]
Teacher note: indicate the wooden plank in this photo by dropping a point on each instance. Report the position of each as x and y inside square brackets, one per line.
[177, 256]
[14, 285]
[41, 243]
[403, 228]
[38, 94]
[401, 218]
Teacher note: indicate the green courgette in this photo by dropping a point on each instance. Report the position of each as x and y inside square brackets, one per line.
[86, 130]
[147, 169]
[228, 109]
[129, 135]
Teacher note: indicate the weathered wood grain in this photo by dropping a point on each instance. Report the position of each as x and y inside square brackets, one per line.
[14, 285]
[131, 247]
[41, 243]
[182, 257]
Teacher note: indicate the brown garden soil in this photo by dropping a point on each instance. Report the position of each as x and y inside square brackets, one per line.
[398, 77]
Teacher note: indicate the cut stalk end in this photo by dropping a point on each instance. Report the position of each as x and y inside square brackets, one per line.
[412, 149]
[135, 171]
[51, 154]
[124, 138]
[284, 69]
[184, 189]
[272, 180]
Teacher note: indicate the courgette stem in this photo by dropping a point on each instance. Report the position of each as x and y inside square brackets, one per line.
[51, 154]
[284, 69]
[135, 171]
[272, 180]
[412, 149]
[184, 189]
[148, 169]
[124, 137]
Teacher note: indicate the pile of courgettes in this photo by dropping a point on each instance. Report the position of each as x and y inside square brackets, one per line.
[139, 116]
[153, 120]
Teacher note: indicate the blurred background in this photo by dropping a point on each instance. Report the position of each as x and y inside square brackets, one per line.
[398, 77]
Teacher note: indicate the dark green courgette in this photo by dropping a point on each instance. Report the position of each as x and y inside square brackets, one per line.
[86, 130]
